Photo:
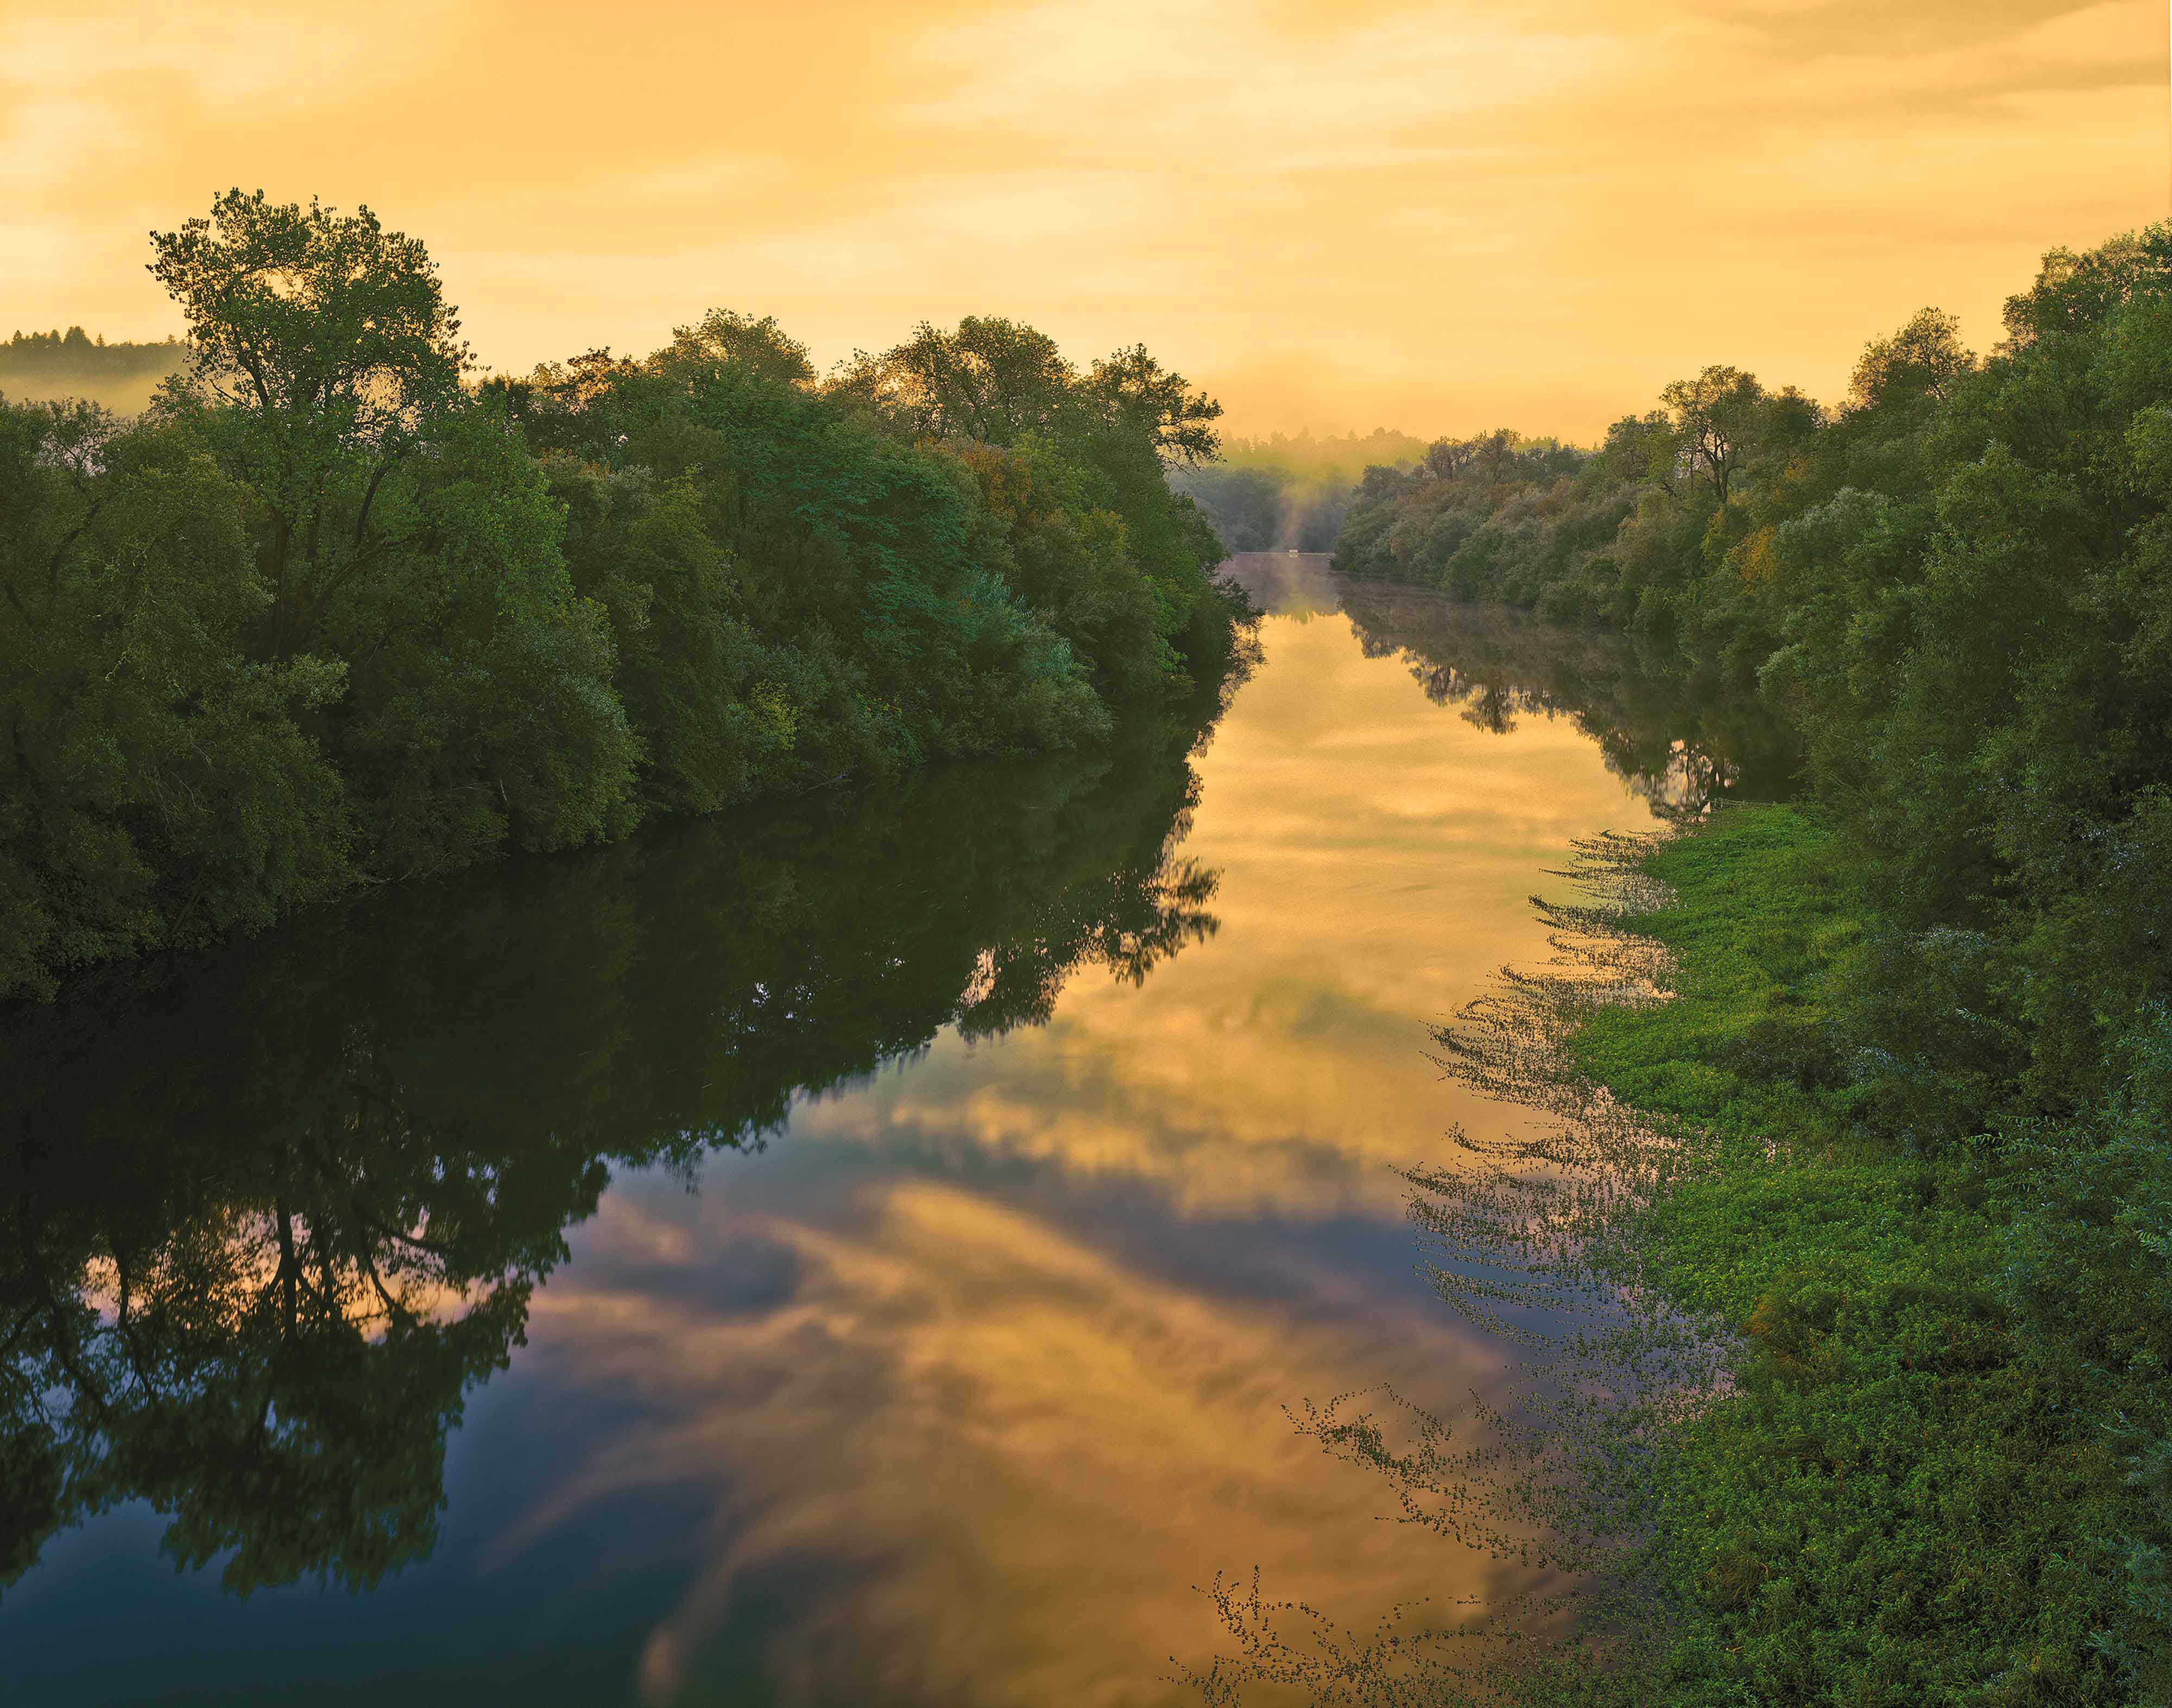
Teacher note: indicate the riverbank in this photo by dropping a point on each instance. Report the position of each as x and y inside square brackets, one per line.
[1926, 1478]
[1907, 1113]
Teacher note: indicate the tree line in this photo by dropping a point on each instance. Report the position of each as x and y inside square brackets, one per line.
[1957, 586]
[334, 611]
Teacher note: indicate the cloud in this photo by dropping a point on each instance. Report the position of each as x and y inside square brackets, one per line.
[1443, 214]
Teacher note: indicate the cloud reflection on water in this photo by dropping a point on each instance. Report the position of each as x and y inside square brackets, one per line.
[1010, 1451]
[950, 1393]
[1051, 1295]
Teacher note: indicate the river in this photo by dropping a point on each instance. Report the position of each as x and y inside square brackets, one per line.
[854, 1251]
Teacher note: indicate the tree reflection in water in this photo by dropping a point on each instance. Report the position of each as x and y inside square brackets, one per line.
[1678, 736]
[269, 1215]
[272, 1212]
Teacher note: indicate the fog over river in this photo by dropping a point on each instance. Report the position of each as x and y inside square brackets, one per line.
[955, 1182]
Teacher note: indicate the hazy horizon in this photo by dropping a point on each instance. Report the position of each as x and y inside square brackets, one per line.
[1437, 218]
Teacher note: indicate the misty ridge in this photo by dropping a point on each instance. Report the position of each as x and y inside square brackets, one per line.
[46, 367]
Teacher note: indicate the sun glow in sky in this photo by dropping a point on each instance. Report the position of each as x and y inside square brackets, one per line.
[1338, 213]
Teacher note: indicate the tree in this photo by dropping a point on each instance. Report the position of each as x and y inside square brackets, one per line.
[325, 346]
[1643, 447]
[1925, 358]
[760, 349]
[1446, 458]
[310, 621]
[155, 786]
[1716, 415]
[1138, 395]
[993, 380]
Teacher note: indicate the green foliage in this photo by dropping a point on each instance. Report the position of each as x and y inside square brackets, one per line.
[481, 711]
[323, 357]
[1954, 588]
[157, 783]
[1495, 516]
[329, 614]
[962, 547]
[1934, 1475]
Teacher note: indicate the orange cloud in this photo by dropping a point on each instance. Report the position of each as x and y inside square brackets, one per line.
[1437, 215]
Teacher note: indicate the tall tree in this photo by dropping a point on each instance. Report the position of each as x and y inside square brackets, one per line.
[760, 349]
[1716, 415]
[993, 380]
[1136, 393]
[1925, 358]
[328, 343]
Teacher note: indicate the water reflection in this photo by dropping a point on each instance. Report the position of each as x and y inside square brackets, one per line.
[274, 1213]
[1673, 730]
[948, 1393]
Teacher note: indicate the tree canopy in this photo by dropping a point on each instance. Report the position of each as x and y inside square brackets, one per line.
[333, 612]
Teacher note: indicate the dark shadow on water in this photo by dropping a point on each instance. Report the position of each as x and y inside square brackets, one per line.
[269, 1214]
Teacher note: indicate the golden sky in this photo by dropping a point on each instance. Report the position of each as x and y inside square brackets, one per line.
[1339, 214]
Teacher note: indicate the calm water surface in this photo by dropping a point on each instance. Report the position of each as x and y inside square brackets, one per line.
[852, 1253]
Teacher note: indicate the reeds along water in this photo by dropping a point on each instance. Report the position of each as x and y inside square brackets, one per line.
[1540, 1238]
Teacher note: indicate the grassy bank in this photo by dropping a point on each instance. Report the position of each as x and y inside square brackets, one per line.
[1938, 1476]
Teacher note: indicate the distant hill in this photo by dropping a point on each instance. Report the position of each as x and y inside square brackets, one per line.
[36, 366]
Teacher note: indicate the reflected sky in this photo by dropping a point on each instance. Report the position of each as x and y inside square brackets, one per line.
[952, 1391]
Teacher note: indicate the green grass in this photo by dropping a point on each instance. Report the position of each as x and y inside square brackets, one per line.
[1906, 1497]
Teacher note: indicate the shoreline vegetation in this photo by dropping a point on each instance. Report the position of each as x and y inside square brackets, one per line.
[334, 611]
[1915, 1447]
[1940, 1471]
[1891, 1163]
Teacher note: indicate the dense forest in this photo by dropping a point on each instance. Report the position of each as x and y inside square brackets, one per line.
[1918, 1072]
[1280, 493]
[332, 612]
